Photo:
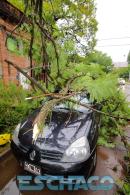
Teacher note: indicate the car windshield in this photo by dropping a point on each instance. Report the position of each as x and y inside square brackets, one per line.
[83, 99]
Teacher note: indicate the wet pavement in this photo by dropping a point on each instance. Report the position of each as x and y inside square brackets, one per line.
[127, 91]
[109, 162]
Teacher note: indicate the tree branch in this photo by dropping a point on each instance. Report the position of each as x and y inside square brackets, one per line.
[27, 76]
[55, 95]
[99, 111]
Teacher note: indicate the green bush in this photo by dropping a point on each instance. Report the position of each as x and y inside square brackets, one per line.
[13, 106]
[123, 72]
[111, 127]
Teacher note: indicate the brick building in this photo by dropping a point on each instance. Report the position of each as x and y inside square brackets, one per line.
[11, 45]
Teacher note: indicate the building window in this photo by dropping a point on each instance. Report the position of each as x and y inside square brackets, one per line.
[14, 45]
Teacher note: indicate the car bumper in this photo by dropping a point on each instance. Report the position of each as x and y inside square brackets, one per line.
[57, 168]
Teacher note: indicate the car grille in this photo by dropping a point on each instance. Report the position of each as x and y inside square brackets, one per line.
[51, 155]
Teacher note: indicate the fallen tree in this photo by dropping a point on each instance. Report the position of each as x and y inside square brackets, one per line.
[52, 46]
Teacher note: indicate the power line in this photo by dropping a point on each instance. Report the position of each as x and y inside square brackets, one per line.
[113, 38]
[113, 45]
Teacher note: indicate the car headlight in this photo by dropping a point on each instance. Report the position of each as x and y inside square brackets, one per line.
[77, 151]
[16, 133]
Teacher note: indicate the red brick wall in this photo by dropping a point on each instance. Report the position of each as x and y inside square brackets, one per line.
[8, 72]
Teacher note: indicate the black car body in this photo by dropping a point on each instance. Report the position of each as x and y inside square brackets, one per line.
[67, 145]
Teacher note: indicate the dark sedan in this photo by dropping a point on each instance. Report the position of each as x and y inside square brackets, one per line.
[67, 144]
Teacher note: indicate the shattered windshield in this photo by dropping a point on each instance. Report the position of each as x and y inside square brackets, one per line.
[82, 99]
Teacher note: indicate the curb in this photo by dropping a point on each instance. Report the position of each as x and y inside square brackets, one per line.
[4, 154]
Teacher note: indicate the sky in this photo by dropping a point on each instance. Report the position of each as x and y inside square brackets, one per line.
[113, 18]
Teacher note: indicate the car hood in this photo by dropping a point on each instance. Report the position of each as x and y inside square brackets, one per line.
[61, 129]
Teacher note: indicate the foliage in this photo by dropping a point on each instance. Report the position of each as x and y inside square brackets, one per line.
[122, 72]
[57, 22]
[97, 57]
[19, 4]
[124, 189]
[66, 19]
[90, 78]
[110, 127]
[124, 185]
[94, 58]
[13, 106]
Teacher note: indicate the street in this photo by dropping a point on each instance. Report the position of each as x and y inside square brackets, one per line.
[127, 91]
